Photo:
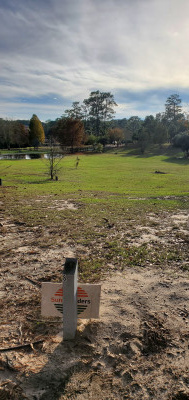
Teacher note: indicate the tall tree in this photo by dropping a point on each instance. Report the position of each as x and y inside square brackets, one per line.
[100, 107]
[173, 108]
[160, 134]
[36, 131]
[6, 133]
[143, 139]
[70, 132]
[75, 112]
[21, 135]
[108, 103]
[134, 123]
[47, 126]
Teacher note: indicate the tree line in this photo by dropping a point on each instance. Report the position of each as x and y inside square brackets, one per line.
[16, 134]
[92, 123]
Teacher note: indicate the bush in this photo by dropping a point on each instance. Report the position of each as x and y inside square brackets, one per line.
[182, 141]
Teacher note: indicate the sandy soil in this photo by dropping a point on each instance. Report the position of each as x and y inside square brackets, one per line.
[138, 349]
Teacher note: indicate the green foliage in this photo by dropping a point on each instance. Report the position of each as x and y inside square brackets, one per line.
[96, 113]
[75, 112]
[103, 140]
[153, 131]
[134, 124]
[160, 134]
[13, 134]
[36, 131]
[173, 108]
[99, 148]
[91, 140]
[182, 141]
[143, 139]
[48, 128]
[100, 108]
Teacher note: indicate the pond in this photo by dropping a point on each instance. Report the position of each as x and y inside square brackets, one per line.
[22, 156]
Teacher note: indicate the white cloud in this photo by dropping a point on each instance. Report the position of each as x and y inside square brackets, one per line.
[68, 48]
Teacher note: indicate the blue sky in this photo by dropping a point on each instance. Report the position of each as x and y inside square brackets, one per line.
[54, 52]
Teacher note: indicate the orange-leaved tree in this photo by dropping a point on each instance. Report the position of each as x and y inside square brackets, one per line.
[115, 135]
[69, 132]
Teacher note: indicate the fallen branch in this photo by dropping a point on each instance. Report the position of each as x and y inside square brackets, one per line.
[31, 281]
[21, 346]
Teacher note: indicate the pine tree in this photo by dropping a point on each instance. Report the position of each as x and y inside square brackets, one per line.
[173, 108]
[100, 109]
[36, 131]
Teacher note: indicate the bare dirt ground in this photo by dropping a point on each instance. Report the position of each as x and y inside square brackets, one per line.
[138, 349]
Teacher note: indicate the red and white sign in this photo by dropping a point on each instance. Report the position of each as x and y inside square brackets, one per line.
[88, 300]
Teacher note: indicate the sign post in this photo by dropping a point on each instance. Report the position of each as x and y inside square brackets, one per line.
[70, 273]
[71, 299]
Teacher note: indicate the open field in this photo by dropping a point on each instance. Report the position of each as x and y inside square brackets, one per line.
[125, 217]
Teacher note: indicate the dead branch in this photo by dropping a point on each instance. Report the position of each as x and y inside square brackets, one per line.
[21, 346]
[32, 281]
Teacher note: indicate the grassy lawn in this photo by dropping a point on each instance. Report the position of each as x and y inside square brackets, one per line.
[108, 173]
[111, 194]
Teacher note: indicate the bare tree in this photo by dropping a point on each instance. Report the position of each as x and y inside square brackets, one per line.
[54, 158]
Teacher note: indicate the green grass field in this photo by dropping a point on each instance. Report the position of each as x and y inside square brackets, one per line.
[106, 173]
[117, 187]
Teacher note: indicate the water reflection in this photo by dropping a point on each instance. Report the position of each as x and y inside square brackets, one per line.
[22, 156]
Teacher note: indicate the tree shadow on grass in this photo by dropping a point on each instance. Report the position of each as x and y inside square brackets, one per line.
[168, 158]
[172, 155]
[136, 152]
[177, 160]
[40, 182]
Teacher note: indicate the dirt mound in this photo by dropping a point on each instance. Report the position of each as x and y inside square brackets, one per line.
[155, 336]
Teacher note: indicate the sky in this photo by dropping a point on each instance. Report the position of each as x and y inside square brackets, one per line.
[55, 52]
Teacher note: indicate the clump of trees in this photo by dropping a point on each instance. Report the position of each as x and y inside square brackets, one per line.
[182, 141]
[95, 112]
[88, 123]
[13, 134]
[16, 134]
[169, 126]
[92, 123]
